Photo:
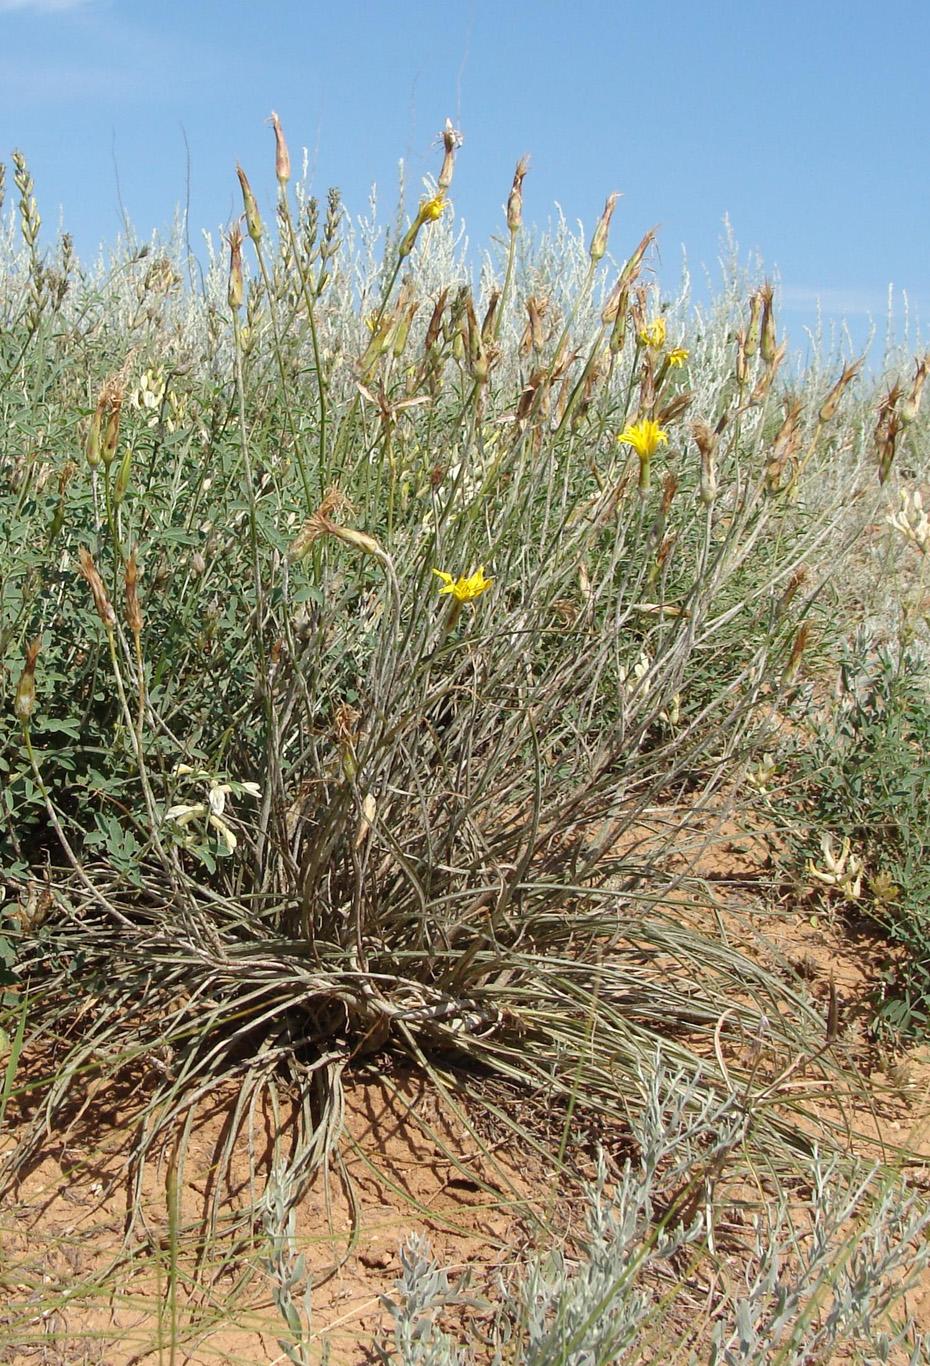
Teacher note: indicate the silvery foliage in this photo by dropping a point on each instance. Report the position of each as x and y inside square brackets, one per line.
[806, 1296]
[804, 1293]
[286, 1268]
[423, 1291]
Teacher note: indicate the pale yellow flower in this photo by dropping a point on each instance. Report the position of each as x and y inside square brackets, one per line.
[678, 356]
[653, 334]
[645, 438]
[912, 521]
[463, 589]
[842, 871]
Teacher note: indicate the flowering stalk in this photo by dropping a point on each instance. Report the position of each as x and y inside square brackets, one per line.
[645, 437]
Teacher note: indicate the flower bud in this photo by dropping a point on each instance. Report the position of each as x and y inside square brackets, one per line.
[133, 610]
[752, 331]
[768, 344]
[705, 438]
[252, 217]
[111, 435]
[25, 699]
[358, 540]
[630, 271]
[451, 140]
[282, 157]
[92, 444]
[234, 294]
[515, 201]
[599, 238]
[741, 366]
[121, 483]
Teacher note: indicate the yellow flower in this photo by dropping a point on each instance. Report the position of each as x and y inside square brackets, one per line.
[678, 356]
[653, 334]
[645, 438]
[462, 589]
[431, 209]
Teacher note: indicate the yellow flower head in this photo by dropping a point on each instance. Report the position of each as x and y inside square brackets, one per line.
[678, 356]
[653, 334]
[462, 589]
[431, 209]
[645, 438]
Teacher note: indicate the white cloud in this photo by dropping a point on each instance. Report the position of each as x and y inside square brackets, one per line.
[849, 302]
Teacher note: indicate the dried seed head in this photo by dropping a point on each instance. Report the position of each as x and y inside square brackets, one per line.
[487, 325]
[101, 601]
[676, 407]
[435, 323]
[515, 200]
[797, 652]
[320, 523]
[345, 723]
[599, 238]
[282, 157]
[911, 405]
[831, 402]
[534, 334]
[797, 580]
[887, 442]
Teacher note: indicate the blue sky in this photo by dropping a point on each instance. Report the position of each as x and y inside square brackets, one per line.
[804, 122]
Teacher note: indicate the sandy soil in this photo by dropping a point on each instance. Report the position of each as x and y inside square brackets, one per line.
[82, 1283]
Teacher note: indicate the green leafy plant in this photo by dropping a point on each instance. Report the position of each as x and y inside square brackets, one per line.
[861, 783]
